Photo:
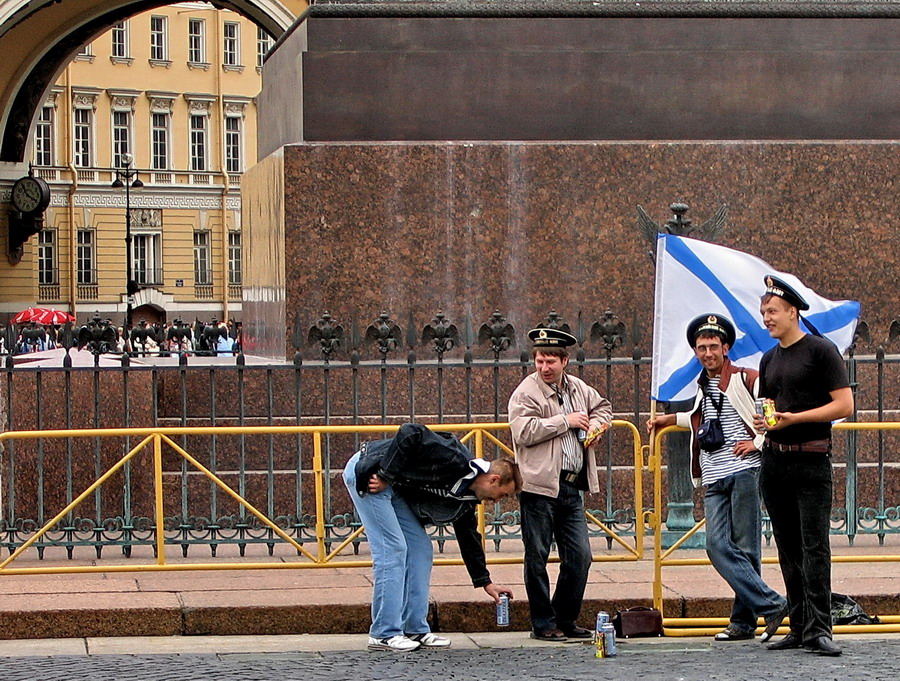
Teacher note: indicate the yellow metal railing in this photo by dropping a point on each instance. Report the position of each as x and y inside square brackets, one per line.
[478, 436]
[701, 626]
[154, 438]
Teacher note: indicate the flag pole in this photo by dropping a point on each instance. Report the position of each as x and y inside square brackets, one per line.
[656, 468]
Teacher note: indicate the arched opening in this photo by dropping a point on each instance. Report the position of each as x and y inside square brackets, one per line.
[43, 58]
[150, 313]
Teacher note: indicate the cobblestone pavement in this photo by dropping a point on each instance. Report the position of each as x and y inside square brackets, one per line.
[668, 660]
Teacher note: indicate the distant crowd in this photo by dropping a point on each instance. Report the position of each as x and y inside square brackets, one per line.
[101, 335]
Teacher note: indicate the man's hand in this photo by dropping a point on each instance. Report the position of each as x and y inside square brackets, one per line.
[494, 591]
[759, 425]
[743, 448]
[376, 484]
[578, 419]
[783, 419]
[660, 421]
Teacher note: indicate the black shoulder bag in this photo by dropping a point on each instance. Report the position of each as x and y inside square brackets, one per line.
[710, 435]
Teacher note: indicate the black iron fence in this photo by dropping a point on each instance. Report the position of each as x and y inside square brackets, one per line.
[273, 471]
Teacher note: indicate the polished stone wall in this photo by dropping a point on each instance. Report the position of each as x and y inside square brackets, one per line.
[468, 228]
[359, 74]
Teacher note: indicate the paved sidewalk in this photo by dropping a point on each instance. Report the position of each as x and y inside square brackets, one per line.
[473, 657]
[335, 600]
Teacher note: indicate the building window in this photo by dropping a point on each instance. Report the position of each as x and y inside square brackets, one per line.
[86, 257]
[43, 138]
[82, 142]
[120, 48]
[121, 126]
[202, 258]
[146, 245]
[47, 273]
[231, 53]
[197, 41]
[85, 53]
[234, 259]
[233, 144]
[160, 141]
[159, 39]
[198, 142]
[264, 43]
[146, 258]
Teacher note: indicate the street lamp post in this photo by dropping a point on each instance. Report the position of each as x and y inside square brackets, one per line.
[127, 177]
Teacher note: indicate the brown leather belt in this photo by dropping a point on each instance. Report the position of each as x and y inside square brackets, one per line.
[813, 447]
[568, 476]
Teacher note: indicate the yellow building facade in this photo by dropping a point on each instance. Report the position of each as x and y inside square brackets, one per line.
[166, 100]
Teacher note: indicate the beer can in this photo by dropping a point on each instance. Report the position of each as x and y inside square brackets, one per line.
[599, 644]
[768, 412]
[609, 638]
[503, 611]
[758, 405]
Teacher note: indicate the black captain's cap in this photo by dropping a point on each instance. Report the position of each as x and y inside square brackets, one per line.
[711, 323]
[551, 338]
[778, 287]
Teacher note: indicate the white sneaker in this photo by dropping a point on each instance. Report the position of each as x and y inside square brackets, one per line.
[430, 640]
[399, 644]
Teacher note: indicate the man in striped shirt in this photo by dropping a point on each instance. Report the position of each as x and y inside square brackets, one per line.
[728, 466]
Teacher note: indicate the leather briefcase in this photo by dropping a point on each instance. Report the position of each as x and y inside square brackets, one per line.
[638, 621]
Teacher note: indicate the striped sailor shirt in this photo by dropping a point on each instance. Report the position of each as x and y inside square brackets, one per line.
[722, 462]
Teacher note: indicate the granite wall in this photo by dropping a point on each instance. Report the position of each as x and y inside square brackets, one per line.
[353, 74]
[525, 227]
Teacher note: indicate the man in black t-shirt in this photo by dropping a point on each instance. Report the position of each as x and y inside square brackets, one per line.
[806, 377]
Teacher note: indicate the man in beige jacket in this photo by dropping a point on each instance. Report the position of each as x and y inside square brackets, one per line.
[554, 419]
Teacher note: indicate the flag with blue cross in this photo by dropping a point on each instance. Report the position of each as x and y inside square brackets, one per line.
[695, 277]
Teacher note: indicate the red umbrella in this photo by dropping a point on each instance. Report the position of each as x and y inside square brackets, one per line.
[25, 315]
[43, 315]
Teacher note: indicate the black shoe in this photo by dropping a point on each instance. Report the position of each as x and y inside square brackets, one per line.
[787, 643]
[734, 633]
[774, 621]
[549, 635]
[822, 646]
[578, 632]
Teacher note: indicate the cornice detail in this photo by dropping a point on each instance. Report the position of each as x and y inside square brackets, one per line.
[85, 99]
[88, 199]
[199, 105]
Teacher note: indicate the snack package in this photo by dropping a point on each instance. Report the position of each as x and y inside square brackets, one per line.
[594, 434]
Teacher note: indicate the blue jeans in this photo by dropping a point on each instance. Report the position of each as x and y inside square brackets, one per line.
[402, 556]
[543, 520]
[733, 544]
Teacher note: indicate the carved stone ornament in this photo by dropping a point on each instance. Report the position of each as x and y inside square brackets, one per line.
[235, 109]
[85, 100]
[161, 105]
[199, 107]
[146, 217]
[123, 103]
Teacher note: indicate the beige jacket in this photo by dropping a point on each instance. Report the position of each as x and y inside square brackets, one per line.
[537, 420]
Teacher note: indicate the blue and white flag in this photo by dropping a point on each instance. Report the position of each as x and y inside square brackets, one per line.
[694, 277]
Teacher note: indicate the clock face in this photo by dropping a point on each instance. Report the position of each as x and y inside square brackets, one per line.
[30, 194]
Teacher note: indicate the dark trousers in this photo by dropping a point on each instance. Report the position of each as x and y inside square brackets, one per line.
[796, 488]
[543, 520]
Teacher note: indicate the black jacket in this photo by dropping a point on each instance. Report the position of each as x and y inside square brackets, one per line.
[417, 458]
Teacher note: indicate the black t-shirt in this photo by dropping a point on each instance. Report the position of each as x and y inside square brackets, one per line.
[800, 377]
